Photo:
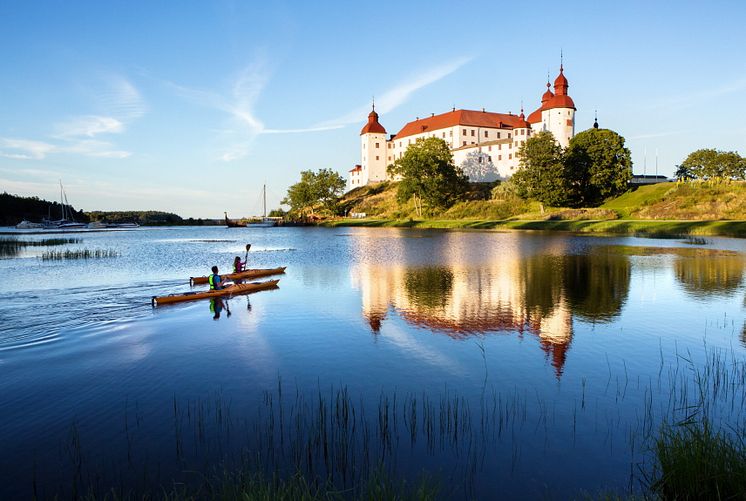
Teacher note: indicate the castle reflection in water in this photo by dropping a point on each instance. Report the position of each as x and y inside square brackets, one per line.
[503, 289]
[519, 286]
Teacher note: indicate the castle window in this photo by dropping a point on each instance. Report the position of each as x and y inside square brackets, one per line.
[498, 135]
[499, 157]
[510, 146]
[489, 158]
[510, 155]
[464, 132]
[472, 133]
[464, 143]
[473, 142]
[389, 157]
[444, 135]
[508, 135]
[450, 133]
[523, 132]
[377, 145]
[489, 148]
[486, 134]
[376, 157]
[399, 144]
[499, 146]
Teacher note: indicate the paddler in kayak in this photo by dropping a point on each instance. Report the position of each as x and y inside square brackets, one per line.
[215, 280]
[238, 265]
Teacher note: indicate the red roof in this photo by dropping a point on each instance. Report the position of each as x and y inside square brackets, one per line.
[535, 117]
[560, 101]
[560, 83]
[356, 168]
[470, 118]
[373, 127]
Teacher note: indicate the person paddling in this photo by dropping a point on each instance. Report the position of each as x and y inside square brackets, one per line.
[238, 265]
[215, 281]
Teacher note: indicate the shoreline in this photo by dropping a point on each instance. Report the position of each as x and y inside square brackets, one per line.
[651, 228]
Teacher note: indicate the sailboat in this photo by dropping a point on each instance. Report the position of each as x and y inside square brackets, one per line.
[264, 222]
[64, 223]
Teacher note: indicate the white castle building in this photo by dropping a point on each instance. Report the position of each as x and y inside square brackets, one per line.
[492, 138]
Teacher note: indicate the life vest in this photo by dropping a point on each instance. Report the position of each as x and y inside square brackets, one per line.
[211, 281]
[236, 267]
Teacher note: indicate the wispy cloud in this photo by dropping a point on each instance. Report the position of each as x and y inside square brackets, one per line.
[697, 98]
[88, 126]
[24, 149]
[120, 103]
[398, 95]
[239, 103]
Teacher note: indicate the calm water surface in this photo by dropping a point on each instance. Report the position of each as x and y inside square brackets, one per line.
[558, 350]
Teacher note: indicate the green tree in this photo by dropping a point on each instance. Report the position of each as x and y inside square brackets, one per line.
[709, 163]
[597, 167]
[315, 188]
[427, 172]
[683, 173]
[542, 173]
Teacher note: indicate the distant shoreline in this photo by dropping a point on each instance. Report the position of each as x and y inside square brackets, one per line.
[650, 228]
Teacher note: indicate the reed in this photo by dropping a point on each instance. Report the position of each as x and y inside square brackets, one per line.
[687, 439]
[79, 254]
[12, 246]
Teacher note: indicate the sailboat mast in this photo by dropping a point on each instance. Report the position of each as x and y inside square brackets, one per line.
[264, 197]
[62, 202]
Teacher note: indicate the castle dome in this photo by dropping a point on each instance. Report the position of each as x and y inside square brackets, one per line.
[560, 83]
[547, 95]
[373, 126]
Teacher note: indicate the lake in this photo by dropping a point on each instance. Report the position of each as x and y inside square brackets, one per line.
[508, 364]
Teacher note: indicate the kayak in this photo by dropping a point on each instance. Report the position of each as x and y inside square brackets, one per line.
[228, 291]
[255, 273]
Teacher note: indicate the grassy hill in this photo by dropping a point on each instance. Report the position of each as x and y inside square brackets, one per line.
[696, 200]
[704, 208]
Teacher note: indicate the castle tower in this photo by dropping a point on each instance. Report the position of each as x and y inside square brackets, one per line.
[373, 150]
[558, 113]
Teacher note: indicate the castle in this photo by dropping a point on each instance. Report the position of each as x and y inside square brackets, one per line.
[492, 138]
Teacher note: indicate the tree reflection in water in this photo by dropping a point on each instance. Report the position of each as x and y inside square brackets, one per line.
[703, 274]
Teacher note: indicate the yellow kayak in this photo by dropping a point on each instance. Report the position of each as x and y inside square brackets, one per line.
[255, 273]
[228, 291]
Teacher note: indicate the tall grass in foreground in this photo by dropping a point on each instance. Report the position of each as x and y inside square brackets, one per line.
[686, 441]
[79, 254]
[696, 461]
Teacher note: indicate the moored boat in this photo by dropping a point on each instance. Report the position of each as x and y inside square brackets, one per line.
[228, 291]
[28, 225]
[254, 273]
[233, 224]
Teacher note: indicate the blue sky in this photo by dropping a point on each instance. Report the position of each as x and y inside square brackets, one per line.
[191, 106]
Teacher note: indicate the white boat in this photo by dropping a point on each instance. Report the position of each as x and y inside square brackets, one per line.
[64, 223]
[96, 225]
[28, 225]
[264, 222]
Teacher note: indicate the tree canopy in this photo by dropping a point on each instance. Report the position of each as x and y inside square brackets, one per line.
[427, 171]
[711, 164]
[598, 166]
[595, 166]
[315, 188]
[542, 173]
